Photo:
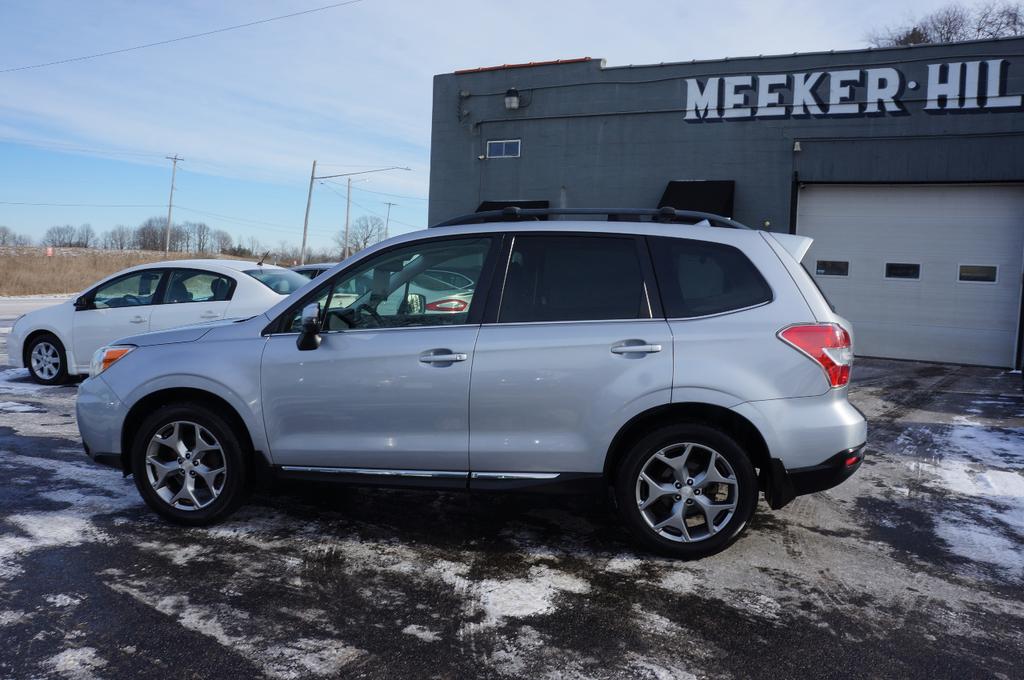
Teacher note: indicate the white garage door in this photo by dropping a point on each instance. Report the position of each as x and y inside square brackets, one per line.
[926, 272]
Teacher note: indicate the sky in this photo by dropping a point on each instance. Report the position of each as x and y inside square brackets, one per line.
[249, 110]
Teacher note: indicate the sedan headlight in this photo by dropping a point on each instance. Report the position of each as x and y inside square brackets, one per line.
[105, 357]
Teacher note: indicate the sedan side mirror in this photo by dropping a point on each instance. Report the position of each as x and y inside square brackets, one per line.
[309, 336]
[82, 303]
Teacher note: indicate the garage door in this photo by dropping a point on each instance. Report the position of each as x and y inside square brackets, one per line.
[925, 272]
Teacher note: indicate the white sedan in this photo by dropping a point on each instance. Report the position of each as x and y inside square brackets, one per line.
[59, 341]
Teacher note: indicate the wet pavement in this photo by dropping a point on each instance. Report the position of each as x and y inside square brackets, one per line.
[913, 568]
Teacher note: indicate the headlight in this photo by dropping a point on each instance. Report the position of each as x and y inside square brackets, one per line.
[105, 357]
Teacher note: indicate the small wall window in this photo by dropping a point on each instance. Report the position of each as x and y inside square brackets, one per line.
[832, 268]
[902, 270]
[978, 273]
[503, 148]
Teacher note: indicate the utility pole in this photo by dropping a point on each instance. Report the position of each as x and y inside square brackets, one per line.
[170, 201]
[348, 198]
[348, 209]
[305, 223]
[387, 220]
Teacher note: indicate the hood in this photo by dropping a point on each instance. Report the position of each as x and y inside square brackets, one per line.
[173, 335]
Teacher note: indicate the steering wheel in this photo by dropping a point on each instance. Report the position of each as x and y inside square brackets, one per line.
[372, 312]
[132, 299]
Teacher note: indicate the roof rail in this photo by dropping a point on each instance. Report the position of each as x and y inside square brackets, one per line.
[516, 214]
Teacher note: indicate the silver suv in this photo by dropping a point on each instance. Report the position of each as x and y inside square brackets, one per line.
[683, 366]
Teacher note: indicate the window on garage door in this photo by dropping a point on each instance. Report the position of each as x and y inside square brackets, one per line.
[902, 270]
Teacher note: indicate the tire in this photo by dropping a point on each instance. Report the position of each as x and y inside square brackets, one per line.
[46, 360]
[163, 471]
[697, 519]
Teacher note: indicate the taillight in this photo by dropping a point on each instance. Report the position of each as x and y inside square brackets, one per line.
[447, 305]
[828, 344]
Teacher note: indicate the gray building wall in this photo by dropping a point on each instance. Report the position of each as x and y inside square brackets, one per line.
[613, 137]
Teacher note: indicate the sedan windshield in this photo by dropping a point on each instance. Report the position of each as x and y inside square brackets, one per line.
[281, 281]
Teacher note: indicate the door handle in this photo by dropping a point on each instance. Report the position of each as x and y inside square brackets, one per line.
[209, 315]
[443, 358]
[636, 349]
[137, 319]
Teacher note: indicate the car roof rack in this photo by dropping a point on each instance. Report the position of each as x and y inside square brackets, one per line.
[667, 214]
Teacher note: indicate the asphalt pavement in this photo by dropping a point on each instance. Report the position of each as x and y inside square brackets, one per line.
[914, 568]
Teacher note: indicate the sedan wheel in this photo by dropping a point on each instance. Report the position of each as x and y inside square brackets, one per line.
[46, 360]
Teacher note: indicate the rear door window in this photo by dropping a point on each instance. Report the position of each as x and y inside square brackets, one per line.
[193, 285]
[573, 278]
[700, 278]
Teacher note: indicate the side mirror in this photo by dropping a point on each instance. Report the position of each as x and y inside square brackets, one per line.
[309, 336]
[415, 303]
[82, 303]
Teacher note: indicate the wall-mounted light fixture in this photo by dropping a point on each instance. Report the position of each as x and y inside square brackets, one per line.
[511, 99]
[796, 146]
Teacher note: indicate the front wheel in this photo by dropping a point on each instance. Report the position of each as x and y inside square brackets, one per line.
[47, 361]
[189, 465]
[686, 490]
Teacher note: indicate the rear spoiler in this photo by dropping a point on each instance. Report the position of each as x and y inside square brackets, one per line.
[797, 246]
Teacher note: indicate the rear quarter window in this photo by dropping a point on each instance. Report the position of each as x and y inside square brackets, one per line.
[699, 278]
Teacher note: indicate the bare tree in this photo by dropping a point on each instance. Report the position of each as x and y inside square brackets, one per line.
[200, 236]
[119, 238]
[85, 236]
[222, 241]
[8, 237]
[60, 236]
[364, 232]
[954, 23]
[150, 234]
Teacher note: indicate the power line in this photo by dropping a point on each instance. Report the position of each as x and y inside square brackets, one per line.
[61, 146]
[86, 205]
[384, 193]
[180, 38]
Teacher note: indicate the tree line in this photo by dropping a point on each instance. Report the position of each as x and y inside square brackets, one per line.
[955, 23]
[196, 237]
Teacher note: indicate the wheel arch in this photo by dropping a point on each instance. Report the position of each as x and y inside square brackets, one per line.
[742, 430]
[191, 395]
[26, 345]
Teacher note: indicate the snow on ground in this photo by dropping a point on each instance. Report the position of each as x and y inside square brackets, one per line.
[983, 467]
[16, 381]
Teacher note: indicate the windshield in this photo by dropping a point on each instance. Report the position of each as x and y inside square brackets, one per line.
[281, 281]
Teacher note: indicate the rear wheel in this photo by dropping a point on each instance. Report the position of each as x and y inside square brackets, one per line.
[686, 490]
[189, 465]
[46, 360]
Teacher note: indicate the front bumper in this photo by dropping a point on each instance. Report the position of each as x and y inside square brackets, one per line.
[781, 485]
[100, 417]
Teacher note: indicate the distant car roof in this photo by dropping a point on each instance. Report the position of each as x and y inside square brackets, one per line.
[237, 265]
[315, 265]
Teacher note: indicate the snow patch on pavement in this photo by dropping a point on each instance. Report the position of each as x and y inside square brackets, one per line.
[77, 664]
[16, 381]
[984, 465]
[18, 407]
[530, 596]
[421, 632]
[42, 530]
[292, 659]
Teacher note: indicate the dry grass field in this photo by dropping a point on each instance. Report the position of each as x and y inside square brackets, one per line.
[28, 271]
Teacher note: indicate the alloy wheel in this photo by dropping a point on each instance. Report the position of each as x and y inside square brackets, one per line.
[687, 492]
[186, 465]
[45, 360]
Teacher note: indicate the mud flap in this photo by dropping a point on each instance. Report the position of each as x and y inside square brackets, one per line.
[778, 487]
